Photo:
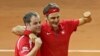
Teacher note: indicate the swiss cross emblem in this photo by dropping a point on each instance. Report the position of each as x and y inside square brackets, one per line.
[24, 49]
[63, 32]
[48, 33]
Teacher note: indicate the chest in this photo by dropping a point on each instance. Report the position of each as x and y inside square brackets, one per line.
[55, 38]
[49, 36]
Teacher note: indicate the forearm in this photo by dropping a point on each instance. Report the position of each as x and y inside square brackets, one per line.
[18, 30]
[33, 52]
[35, 49]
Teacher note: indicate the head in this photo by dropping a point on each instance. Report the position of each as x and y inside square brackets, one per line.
[32, 22]
[51, 11]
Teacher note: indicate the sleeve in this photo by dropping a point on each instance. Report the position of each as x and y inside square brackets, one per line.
[72, 24]
[24, 47]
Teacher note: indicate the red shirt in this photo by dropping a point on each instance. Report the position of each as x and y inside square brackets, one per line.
[56, 43]
[23, 46]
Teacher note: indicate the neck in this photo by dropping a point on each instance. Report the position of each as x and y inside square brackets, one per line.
[28, 28]
[55, 29]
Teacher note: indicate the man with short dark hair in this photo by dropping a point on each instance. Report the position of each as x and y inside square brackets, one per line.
[26, 46]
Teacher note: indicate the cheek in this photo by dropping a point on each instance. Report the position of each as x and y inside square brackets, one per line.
[32, 27]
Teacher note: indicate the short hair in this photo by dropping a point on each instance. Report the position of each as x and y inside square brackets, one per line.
[27, 17]
[49, 6]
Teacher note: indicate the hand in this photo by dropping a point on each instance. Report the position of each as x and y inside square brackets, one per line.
[38, 42]
[87, 16]
[32, 37]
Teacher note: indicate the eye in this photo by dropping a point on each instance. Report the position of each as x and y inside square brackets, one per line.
[35, 23]
[55, 17]
[39, 22]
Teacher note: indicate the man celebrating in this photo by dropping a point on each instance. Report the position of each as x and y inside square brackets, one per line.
[55, 33]
[26, 46]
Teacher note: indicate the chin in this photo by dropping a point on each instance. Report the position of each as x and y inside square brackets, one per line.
[54, 25]
[37, 31]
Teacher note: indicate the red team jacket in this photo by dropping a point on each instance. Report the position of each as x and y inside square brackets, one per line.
[24, 45]
[56, 43]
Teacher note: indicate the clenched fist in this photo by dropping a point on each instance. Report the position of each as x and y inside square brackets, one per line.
[38, 42]
[87, 14]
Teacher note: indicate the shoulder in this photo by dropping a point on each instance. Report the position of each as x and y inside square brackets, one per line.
[23, 40]
[69, 21]
[45, 25]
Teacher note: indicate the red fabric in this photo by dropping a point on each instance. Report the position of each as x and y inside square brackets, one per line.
[27, 32]
[24, 45]
[56, 44]
[52, 10]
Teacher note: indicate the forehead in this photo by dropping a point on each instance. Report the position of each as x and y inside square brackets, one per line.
[54, 14]
[35, 19]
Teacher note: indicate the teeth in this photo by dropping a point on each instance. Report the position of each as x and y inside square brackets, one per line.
[87, 14]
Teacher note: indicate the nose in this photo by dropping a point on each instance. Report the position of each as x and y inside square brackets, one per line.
[39, 24]
[56, 19]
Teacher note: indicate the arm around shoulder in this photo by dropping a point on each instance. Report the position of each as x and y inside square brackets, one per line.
[18, 30]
